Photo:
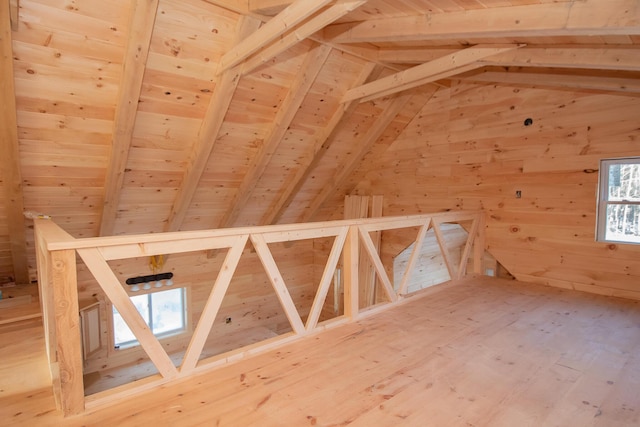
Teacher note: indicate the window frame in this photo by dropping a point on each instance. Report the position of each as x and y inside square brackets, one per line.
[603, 201]
[175, 332]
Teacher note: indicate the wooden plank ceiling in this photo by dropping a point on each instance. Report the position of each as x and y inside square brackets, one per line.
[157, 115]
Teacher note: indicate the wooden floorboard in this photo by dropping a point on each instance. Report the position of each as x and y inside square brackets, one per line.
[483, 352]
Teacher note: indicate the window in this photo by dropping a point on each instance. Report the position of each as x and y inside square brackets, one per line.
[163, 311]
[619, 200]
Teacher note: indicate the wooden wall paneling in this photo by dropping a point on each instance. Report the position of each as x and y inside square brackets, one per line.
[218, 106]
[556, 213]
[299, 88]
[350, 164]
[213, 304]
[370, 157]
[143, 16]
[10, 160]
[320, 145]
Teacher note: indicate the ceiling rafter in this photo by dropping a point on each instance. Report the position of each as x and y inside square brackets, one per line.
[321, 144]
[428, 72]
[601, 57]
[10, 158]
[141, 23]
[551, 78]
[318, 22]
[626, 58]
[268, 7]
[214, 118]
[237, 6]
[361, 147]
[290, 17]
[576, 18]
[311, 66]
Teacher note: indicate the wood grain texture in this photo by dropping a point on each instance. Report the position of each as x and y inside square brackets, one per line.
[482, 352]
[470, 148]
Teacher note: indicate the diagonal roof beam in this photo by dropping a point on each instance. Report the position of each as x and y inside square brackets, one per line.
[341, 8]
[268, 7]
[208, 134]
[428, 72]
[599, 57]
[350, 164]
[276, 27]
[141, 23]
[310, 68]
[10, 158]
[540, 78]
[238, 6]
[623, 58]
[321, 144]
[575, 18]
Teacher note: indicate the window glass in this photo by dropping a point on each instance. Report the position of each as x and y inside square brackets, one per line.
[168, 311]
[619, 200]
[163, 311]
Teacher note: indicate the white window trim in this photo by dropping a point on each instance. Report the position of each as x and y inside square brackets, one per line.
[603, 201]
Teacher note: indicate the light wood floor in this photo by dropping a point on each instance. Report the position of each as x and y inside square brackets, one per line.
[480, 353]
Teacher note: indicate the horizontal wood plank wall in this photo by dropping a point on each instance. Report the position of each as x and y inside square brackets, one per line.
[469, 149]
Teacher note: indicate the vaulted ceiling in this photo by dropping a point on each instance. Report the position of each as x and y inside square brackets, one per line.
[159, 115]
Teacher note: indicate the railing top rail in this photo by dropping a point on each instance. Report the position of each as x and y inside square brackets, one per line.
[54, 243]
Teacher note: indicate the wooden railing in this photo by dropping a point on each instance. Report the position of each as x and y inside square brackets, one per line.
[57, 273]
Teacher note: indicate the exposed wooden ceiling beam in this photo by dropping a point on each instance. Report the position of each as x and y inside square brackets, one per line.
[361, 147]
[238, 6]
[625, 58]
[276, 27]
[550, 78]
[268, 7]
[321, 20]
[424, 73]
[309, 70]
[141, 23]
[14, 6]
[321, 144]
[214, 118]
[601, 57]
[10, 158]
[575, 18]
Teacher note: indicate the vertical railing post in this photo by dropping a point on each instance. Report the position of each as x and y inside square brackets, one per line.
[68, 346]
[479, 244]
[351, 266]
[59, 287]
